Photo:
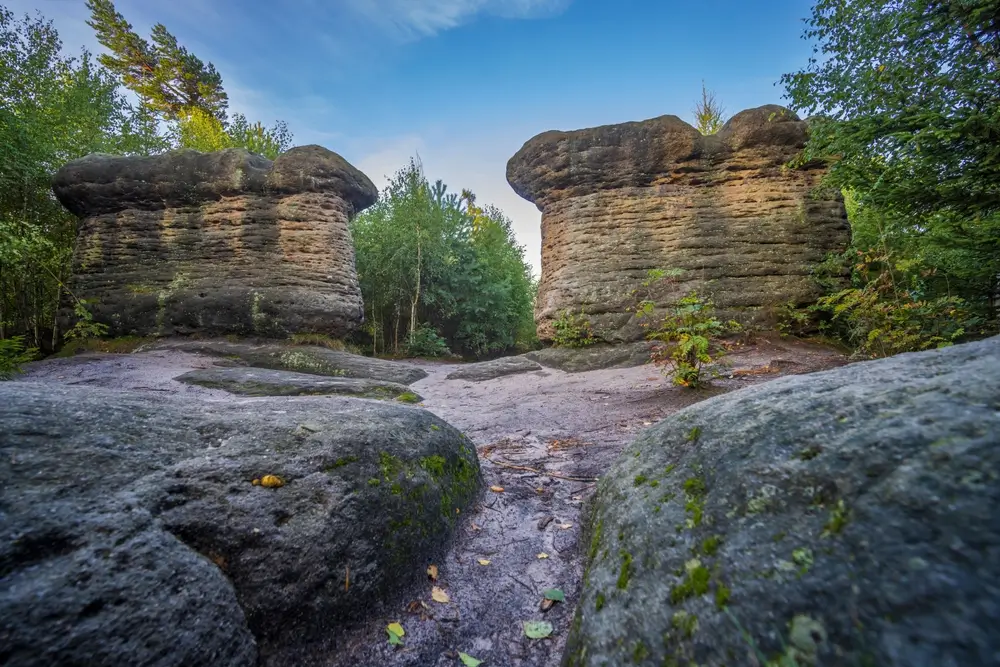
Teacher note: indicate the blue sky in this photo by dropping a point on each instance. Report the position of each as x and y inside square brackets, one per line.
[464, 83]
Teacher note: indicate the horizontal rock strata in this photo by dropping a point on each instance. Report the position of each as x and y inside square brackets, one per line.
[225, 242]
[620, 200]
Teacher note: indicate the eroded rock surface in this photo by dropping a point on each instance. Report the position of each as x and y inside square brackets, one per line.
[845, 517]
[620, 200]
[302, 358]
[217, 243]
[592, 357]
[267, 382]
[133, 533]
[494, 368]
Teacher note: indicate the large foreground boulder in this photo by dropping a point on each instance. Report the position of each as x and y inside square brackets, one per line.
[620, 200]
[217, 243]
[842, 518]
[134, 532]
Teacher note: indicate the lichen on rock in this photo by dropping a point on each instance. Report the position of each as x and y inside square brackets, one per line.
[877, 549]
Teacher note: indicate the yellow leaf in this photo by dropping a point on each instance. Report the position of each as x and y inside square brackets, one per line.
[271, 481]
[432, 572]
[396, 629]
[483, 561]
[439, 595]
[543, 555]
[496, 489]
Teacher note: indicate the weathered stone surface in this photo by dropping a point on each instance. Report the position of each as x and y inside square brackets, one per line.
[304, 359]
[133, 533]
[842, 518]
[494, 368]
[217, 243]
[267, 382]
[592, 357]
[619, 200]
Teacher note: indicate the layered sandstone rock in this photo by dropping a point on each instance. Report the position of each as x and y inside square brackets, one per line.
[225, 242]
[620, 200]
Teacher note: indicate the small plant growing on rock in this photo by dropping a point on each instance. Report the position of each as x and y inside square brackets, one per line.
[572, 330]
[688, 333]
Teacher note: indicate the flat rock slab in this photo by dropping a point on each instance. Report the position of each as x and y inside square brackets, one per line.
[310, 359]
[135, 532]
[267, 382]
[593, 357]
[841, 518]
[495, 368]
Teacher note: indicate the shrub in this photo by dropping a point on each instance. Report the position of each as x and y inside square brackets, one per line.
[688, 333]
[572, 330]
[13, 353]
[889, 313]
[425, 342]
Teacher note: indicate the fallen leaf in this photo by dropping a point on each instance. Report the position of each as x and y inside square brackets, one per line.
[565, 526]
[271, 482]
[484, 561]
[554, 594]
[547, 604]
[537, 629]
[432, 572]
[439, 595]
[468, 660]
[396, 633]
[496, 489]
[472, 524]
[543, 555]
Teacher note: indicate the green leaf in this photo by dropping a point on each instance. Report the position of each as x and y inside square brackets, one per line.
[537, 629]
[468, 660]
[555, 594]
[395, 632]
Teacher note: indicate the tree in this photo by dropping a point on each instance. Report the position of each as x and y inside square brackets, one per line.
[440, 273]
[53, 108]
[708, 113]
[909, 93]
[178, 87]
[169, 79]
[906, 97]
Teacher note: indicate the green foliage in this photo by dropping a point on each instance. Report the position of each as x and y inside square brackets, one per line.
[85, 326]
[13, 353]
[910, 92]
[908, 97]
[427, 256]
[53, 108]
[572, 330]
[425, 342]
[177, 87]
[708, 113]
[171, 80]
[881, 317]
[198, 130]
[791, 320]
[688, 332]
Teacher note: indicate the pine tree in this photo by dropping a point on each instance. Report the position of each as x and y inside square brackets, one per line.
[166, 77]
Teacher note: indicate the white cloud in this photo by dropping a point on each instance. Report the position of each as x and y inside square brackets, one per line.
[413, 19]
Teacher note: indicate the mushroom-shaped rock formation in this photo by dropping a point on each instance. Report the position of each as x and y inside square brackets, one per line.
[217, 243]
[620, 200]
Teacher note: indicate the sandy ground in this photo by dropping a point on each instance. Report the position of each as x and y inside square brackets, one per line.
[544, 437]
